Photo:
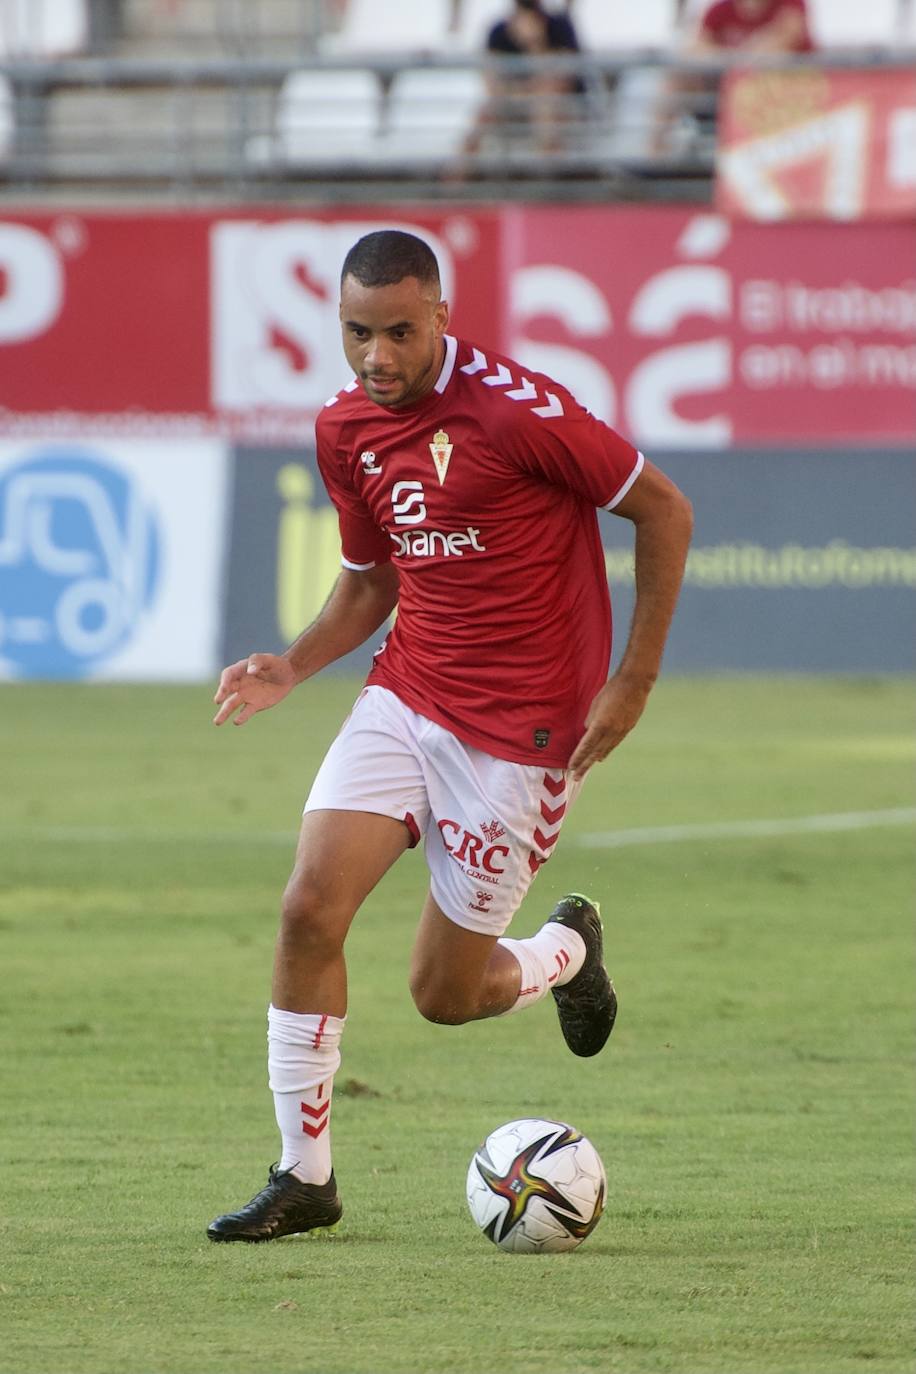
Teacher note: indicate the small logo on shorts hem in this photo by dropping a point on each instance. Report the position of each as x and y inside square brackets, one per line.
[541, 739]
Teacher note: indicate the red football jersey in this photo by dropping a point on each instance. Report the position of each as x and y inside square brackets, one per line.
[484, 494]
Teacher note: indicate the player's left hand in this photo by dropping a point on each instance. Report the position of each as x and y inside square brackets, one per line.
[611, 717]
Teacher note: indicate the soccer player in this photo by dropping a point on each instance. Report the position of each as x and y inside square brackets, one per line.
[466, 487]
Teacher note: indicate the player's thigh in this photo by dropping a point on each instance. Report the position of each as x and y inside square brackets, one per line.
[340, 857]
[366, 805]
[373, 765]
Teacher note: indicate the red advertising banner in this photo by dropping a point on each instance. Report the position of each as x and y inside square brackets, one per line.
[681, 327]
[196, 323]
[686, 329]
[817, 144]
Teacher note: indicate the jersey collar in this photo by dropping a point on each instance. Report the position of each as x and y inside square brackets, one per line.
[448, 366]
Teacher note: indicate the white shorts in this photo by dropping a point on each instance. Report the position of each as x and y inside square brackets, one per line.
[488, 825]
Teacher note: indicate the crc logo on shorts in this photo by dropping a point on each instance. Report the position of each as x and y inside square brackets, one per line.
[477, 858]
[79, 561]
[408, 506]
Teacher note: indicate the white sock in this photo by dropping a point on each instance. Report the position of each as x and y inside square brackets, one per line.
[547, 959]
[303, 1056]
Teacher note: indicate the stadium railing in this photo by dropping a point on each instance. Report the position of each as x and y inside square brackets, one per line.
[302, 126]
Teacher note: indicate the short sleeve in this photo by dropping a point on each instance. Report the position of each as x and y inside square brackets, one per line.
[571, 448]
[363, 544]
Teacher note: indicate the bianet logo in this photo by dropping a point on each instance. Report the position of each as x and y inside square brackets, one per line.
[408, 506]
[79, 563]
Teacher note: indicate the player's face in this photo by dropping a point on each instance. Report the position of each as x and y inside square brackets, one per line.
[392, 337]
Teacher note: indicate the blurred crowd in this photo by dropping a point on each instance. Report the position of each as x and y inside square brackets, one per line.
[546, 104]
[543, 77]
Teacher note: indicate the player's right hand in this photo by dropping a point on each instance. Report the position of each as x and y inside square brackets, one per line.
[251, 685]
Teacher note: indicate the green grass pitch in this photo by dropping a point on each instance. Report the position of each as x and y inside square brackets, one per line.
[753, 1108]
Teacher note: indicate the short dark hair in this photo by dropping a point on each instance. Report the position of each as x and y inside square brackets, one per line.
[388, 256]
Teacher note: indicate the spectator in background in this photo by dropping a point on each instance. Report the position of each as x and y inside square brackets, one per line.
[754, 26]
[530, 29]
[670, 114]
[534, 104]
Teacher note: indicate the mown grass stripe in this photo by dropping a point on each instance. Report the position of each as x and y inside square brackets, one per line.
[749, 829]
[602, 839]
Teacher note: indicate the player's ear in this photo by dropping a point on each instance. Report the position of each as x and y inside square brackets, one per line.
[441, 317]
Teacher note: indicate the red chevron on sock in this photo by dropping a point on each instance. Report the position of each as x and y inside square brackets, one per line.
[320, 1115]
[314, 1131]
[315, 1111]
[561, 960]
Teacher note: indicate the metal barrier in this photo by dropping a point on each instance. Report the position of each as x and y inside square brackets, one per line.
[602, 126]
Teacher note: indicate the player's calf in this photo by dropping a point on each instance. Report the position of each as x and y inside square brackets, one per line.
[459, 975]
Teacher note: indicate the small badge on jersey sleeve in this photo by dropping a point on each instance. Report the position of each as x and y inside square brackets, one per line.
[441, 450]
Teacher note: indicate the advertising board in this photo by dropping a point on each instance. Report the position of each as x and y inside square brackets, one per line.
[818, 143]
[110, 558]
[798, 563]
[681, 327]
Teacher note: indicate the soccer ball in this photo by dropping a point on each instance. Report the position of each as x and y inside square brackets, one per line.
[536, 1185]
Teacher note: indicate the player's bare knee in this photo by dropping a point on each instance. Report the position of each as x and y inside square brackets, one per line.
[310, 916]
[439, 1003]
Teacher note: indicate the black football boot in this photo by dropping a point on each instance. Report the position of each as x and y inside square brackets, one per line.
[284, 1208]
[587, 1005]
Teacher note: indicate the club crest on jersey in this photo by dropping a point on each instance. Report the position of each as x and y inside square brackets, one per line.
[441, 450]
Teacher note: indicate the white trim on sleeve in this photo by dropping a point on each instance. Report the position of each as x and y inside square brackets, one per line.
[356, 567]
[637, 469]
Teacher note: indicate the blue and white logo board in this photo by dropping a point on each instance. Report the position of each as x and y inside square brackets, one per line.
[111, 558]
